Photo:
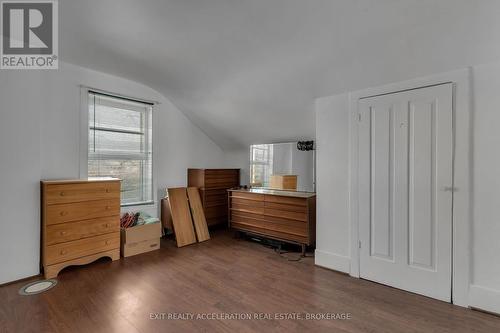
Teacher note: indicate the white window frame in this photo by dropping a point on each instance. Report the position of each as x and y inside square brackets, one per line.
[84, 140]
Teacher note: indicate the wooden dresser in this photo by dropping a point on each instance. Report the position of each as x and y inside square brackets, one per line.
[282, 215]
[213, 185]
[80, 222]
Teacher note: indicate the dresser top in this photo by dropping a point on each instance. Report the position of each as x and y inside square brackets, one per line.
[82, 180]
[276, 192]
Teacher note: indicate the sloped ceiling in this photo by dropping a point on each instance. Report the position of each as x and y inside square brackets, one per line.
[248, 71]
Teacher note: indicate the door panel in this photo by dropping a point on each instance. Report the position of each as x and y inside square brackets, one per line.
[422, 184]
[405, 162]
[381, 221]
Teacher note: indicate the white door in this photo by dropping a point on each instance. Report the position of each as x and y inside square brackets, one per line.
[405, 197]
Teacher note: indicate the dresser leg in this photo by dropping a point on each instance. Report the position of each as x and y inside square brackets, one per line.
[303, 250]
[50, 272]
[115, 255]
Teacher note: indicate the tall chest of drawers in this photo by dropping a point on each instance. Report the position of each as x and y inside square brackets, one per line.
[80, 222]
[213, 185]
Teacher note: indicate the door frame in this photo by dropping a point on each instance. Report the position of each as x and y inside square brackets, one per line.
[462, 173]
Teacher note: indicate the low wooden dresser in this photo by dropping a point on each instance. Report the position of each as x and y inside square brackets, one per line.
[80, 222]
[213, 185]
[282, 215]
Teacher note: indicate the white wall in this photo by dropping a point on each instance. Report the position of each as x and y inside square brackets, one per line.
[239, 159]
[20, 102]
[332, 182]
[333, 219]
[303, 167]
[485, 273]
[39, 139]
[282, 159]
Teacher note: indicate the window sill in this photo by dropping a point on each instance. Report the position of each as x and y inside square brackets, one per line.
[137, 204]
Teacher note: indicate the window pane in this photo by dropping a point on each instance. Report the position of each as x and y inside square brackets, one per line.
[118, 119]
[133, 188]
[261, 164]
[114, 117]
[104, 142]
[120, 145]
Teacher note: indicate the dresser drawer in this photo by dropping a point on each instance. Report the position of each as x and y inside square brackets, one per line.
[286, 200]
[79, 248]
[215, 211]
[212, 198]
[87, 210]
[277, 225]
[297, 216]
[285, 207]
[247, 196]
[64, 232]
[211, 201]
[221, 172]
[221, 184]
[66, 193]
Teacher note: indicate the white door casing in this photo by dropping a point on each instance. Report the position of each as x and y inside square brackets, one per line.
[405, 189]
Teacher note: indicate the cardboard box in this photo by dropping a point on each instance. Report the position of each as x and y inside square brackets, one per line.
[140, 239]
[283, 182]
[131, 249]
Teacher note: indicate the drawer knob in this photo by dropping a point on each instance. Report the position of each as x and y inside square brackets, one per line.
[108, 225]
[62, 194]
[64, 213]
[63, 252]
[107, 207]
[107, 190]
[63, 233]
[107, 242]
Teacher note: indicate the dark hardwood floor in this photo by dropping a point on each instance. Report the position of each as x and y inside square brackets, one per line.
[224, 275]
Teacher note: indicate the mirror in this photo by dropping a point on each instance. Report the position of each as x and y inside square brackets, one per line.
[283, 166]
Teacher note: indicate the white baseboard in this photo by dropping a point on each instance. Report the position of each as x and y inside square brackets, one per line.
[484, 298]
[332, 261]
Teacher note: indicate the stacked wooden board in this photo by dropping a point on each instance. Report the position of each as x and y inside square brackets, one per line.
[188, 218]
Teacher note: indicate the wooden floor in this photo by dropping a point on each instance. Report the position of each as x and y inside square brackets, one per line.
[224, 275]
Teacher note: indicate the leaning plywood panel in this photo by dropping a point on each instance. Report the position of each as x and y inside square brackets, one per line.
[181, 216]
[200, 223]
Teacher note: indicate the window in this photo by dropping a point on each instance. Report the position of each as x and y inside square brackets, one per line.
[261, 164]
[120, 145]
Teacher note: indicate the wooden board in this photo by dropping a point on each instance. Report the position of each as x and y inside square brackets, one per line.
[166, 216]
[181, 216]
[200, 223]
